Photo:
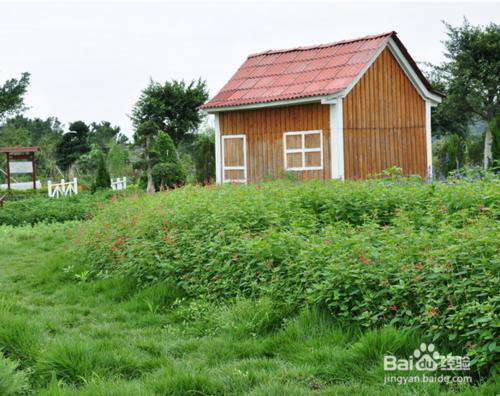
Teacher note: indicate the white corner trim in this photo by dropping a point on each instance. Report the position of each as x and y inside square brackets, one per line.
[303, 150]
[337, 140]
[417, 82]
[218, 157]
[428, 138]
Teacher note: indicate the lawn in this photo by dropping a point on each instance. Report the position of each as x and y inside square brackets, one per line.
[72, 332]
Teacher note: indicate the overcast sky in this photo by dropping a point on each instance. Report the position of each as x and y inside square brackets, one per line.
[89, 61]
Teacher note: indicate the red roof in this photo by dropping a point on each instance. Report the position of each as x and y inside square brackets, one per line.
[298, 72]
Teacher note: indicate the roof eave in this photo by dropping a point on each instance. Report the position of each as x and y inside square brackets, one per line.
[276, 103]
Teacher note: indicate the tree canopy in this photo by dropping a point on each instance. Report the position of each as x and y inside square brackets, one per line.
[12, 95]
[172, 106]
[73, 144]
[470, 78]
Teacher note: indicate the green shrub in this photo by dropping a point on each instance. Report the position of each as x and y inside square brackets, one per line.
[102, 178]
[167, 169]
[53, 210]
[403, 253]
[168, 174]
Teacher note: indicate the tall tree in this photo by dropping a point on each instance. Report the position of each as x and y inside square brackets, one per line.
[471, 79]
[73, 145]
[144, 136]
[12, 95]
[173, 106]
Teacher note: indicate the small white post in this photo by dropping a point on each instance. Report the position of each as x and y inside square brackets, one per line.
[49, 186]
[75, 184]
[124, 182]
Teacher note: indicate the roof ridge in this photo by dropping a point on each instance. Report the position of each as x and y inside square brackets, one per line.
[306, 48]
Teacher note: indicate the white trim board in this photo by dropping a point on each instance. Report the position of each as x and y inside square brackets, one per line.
[337, 139]
[218, 157]
[428, 139]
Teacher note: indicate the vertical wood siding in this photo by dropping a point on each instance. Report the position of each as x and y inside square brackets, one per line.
[384, 122]
[264, 129]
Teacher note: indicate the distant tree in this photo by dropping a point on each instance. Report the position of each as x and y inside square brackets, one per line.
[173, 106]
[103, 135]
[12, 95]
[144, 135]
[11, 135]
[73, 145]
[45, 134]
[203, 153]
[471, 80]
[118, 160]
[102, 178]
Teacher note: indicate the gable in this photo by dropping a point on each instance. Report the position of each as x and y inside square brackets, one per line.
[384, 97]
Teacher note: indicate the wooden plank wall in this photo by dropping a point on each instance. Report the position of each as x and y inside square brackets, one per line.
[264, 129]
[384, 122]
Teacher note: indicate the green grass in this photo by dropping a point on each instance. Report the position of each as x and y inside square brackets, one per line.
[62, 335]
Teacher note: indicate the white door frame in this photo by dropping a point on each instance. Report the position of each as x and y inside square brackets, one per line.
[243, 168]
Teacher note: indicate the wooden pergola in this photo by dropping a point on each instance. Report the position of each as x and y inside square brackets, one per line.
[20, 160]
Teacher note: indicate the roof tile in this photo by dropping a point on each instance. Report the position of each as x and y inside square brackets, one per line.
[299, 72]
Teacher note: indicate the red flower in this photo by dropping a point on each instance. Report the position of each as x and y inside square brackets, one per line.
[432, 312]
[364, 260]
[393, 308]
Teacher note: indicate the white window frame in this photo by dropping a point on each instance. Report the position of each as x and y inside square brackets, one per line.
[243, 168]
[303, 150]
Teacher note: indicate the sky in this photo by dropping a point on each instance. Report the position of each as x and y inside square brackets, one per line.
[90, 60]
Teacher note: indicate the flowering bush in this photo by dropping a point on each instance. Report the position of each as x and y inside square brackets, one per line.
[408, 254]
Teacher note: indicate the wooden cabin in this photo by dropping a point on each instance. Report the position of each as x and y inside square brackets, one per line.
[343, 110]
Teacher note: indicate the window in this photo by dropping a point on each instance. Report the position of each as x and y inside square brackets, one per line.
[303, 150]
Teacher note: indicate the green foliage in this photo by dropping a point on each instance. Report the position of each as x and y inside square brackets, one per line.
[102, 178]
[40, 208]
[109, 338]
[495, 132]
[203, 153]
[19, 338]
[167, 170]
[46, 134]
[168, 175]
[470, 79]
[73, 145]
[450, 154]
[12, 95]
[173, 107]
[103, 135]
[118, 160]
[12, 381]
[396, 252]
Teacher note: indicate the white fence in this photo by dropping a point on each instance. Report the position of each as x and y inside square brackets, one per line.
[63, 188]
[119, 184]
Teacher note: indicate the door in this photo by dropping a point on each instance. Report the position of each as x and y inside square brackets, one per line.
[234, 159]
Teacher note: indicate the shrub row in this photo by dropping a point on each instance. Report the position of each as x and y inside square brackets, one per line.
[40, 208]
[413, 255]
